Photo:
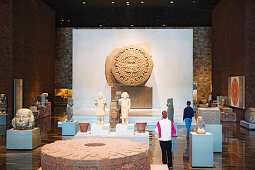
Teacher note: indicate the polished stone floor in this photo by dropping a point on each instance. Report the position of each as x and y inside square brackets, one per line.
[238, 147]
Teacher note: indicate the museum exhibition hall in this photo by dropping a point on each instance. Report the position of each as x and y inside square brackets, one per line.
[127, 84]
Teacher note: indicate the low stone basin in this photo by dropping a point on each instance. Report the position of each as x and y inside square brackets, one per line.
[141, 126]
[84, 126]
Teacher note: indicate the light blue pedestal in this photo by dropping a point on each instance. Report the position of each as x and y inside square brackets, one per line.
[4, 119]
[69, 128]
[201, 149]
[23, 139]
[216, 130]
[247, 125]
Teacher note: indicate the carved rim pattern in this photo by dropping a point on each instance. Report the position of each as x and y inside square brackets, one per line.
[131, 65]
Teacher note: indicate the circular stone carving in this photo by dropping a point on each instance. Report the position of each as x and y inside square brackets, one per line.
[95, 153]
[250, 115]
[131, 65]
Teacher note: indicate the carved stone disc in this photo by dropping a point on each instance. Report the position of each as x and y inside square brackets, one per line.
[131, 65]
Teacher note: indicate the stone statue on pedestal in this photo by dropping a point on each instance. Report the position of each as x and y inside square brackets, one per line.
[100, 102]
[3, 104]
[250, 115]
[200, 125]
[170, 109]
[24, 119]
[125, 104]
[69, 110]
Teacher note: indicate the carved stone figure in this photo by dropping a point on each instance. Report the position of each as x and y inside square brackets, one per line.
[200, 125]
[100, 102]
[170, 109]
[3, 104]
[69, 110]
[44, 99]
[114, 111]
[250, 115]
[24, 119]
[130, 65]
[125, 104]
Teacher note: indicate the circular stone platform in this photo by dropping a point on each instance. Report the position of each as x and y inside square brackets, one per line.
[95, 153]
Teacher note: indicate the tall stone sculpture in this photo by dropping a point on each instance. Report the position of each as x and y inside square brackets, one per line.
[24, 119]
[100, 102]
[200, 125]
[3, 104]
[125, 104]
[250, 115]
[170, 109]
[69, 110]
[130, 66]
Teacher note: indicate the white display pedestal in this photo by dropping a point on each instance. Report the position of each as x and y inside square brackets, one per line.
[216, 130]
[100, 129]
[23, 139]
[4, 119]
[141, 137]
[125, 129]
[201, 149]
[248, 125]
[69, 128]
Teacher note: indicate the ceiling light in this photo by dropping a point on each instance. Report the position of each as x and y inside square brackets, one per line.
[100, 25]
[112, 2]
[171, 2]
[68, 20]
[132, 25]
[193, 2]
[83, 2]
[127, 4]
[142, 2]
[164, 25]
[62, 20]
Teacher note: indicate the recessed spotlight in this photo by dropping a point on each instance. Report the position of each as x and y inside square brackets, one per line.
[193, 2]
[62, 20]
[171, 2]
[164, 25]
[83, 2]
[127, 4]
[113, 2]
[68, 20]
[100, 25]
[132, 25]
[142, 2]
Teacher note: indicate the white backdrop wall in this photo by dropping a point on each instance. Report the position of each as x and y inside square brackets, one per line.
[172, 54]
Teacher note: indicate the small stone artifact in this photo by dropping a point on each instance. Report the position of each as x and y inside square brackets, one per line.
[84, 126]
[114, 113]
[44, 99]
[69, 110]
[211, 115]
[24, 119]
[170, 109]
[125, 104]
[250, 115]
[200, 125]
[3, 104]
[130, 65]
[100, 102]
[141, 126]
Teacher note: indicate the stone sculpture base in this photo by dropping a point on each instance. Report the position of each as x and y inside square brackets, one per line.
[23, 139]
[228, 117]
[140, 96]
[4, 119]
[95, 153]
[125, 129]
[216, 130]
[201, 150]
[69, 128]
[248, 125]
[100, 129]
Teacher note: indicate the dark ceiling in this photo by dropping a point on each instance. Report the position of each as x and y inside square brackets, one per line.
[132, 13]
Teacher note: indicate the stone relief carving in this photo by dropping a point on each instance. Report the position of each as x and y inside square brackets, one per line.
[69, 110]
[170, 109]
[125, 104]
[250, 115]
[100, 102]
[130, 65]
[3, 104]
[24, 119]
[200, 125]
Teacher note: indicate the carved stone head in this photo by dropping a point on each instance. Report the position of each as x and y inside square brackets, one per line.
[124, 95]
[24, 119]
[100, 95]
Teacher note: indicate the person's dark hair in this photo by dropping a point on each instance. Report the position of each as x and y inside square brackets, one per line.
[188, 103]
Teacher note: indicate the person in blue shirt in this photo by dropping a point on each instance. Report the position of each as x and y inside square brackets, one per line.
[187, 117]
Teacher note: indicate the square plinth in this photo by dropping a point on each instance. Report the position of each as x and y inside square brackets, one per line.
[248, 125]
[4, 119]
[201, 149]
[23, 139]
[125, 129]
[100, 129]
[69, 128]
[216, 130]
